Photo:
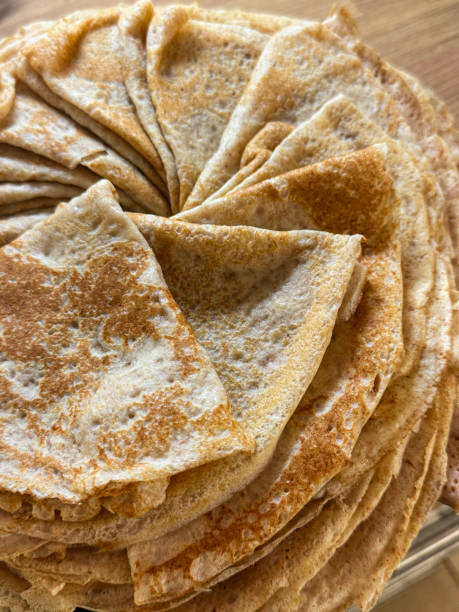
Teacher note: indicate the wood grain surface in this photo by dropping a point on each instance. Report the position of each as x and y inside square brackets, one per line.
[420, 36]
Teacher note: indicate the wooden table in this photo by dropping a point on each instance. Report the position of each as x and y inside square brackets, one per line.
[421, 36]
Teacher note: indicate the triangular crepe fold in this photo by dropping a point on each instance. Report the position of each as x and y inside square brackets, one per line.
[35, 126]
[133, 27]
[75, 66]
[265, 299]
[21, 165]
[336, 129]
[197, 72]
[12, 194]
[288, 84]
[14, 226]
[111, 381]
[396, 521]
[282, 289]
[357, 367]
[246, 406]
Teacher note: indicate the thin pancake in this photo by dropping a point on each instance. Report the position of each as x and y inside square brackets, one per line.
[232, 298]
[396, 521]
[79, 566]
[337, 128]
[109, 347]
[264, 23]
[309, 544]
[133, 26]
[415, 392]
[340, 512]
[92, 91]
[450, 494]
[424, 139]
[12, 194]
[210, 64]
[29, 207]
[34, 126]
[340, 399]
[287, 84]
[20, 165]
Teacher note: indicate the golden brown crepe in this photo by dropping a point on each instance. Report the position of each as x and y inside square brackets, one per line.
[115, 336]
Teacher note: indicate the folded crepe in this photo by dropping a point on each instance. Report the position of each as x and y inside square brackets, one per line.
[275, 581]
[34, 126]
[297, 257]
[319, 442]
[15, 225]
[287, 85]
[377, 224]
[422, 112]
[209, 64]
[337, 128]
[397, 520]
[320, 534]
[20, 165]
[14, 195]
[339, 123]
[133, 27]
[116, 323]
[377, 204]
[74, 66]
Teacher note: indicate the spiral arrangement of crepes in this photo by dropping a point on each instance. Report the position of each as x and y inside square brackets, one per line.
[228, 313]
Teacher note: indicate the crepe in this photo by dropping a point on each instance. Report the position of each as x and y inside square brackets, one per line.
[321, 530]
[287, 442]
[264, 23]
[254, 230]
[106, 338]
[96, 568]
[133, 26]
[450, 494]
[337, 128]
[23, 163]
[34, 126]
[396, 524]
[287, 85]
[210, 64]
[293, 560]
[12, 195]
[304, 551]
[12, 227]
[377, 222]
[176, 246]
[429, 120]
[415, 392]
[223, 536]
[244, 198]
[359, 281]
[20, 165]
[415, 106]
[92, 92]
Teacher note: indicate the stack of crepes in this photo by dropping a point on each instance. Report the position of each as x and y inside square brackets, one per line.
[227, 313]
